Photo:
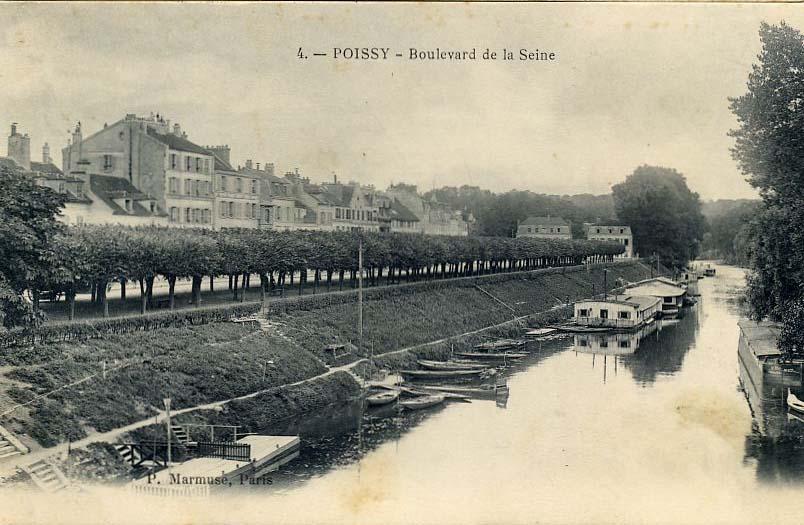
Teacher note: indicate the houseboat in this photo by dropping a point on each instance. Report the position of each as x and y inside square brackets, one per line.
[689, 278]
[709, 271]
[671, 294]
[625, 312]
[763, 360]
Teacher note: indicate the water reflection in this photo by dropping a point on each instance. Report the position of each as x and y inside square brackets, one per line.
[776, 441]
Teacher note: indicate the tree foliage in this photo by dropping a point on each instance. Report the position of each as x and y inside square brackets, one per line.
[664, 215]
[727, 237]
[28, 253]
[769, 148]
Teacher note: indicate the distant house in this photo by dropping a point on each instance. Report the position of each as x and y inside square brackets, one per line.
[612, 232]
[545, 228]
[621, 311]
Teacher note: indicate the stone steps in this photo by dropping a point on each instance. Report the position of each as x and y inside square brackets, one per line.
[46, 476]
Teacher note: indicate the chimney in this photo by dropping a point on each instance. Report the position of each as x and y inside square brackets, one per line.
[177, 129]
[77, 133]
[19, 148]
[222, 152]
[269, 167]
[248, 164]
[13, 128]
[46, 154]
[258, 166]
[335, 177]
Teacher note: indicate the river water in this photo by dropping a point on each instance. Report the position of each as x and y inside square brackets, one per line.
[654, 428]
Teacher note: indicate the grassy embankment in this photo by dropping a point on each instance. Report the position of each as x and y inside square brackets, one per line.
[201, 364]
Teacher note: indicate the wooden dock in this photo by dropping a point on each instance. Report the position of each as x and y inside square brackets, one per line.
[196, 477]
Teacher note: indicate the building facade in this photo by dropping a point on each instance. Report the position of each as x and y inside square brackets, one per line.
[544, 228]
[615, 233]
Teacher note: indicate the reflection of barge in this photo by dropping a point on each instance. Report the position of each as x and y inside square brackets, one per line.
[613, 343]
[763, 361]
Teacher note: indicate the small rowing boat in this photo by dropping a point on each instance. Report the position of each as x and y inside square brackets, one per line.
[491, 355]
[420, 402]
[382, 398]
[448, 365]
[794, 402]
[490, 392]
[502, 344]
[539, 332]
[444, 374]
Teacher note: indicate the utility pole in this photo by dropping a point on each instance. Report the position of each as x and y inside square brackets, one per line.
[167, 408]
[605, 283]
[359, 294]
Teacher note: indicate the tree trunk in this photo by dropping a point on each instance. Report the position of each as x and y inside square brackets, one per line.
[245, 287]
[104, 301]
[123, 289]
[235, 278]
[143, 297]
[211, 283]
[197, 290]
[230, 282]
[263, 285]
[149, 290]
[171, 291]
[35, 293]
[71, 302]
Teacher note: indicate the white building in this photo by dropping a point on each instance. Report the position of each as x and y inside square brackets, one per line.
[621, 311]
[544, 228]
[614, 233]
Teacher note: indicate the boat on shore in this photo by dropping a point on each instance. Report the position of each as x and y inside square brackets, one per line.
[449, 365]
[383, 398]
[446, 374]
[422, 402]
[492, 356]
[538, 333]
[794, 403]
[502, 344]
[487, 392]
[580, 329]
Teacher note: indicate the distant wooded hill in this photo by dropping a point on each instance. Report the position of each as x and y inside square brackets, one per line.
[498, 214]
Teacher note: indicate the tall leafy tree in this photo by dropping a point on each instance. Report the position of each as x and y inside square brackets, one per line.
[769, 149]
[28, 227]
[664, 215]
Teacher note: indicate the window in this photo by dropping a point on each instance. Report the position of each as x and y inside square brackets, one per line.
[239, 185]
[604, 343]
[223, 182]
[604, 314]
[668, 299]
[129, 205]
[583, 312]
[337, 213]
[583, 342]
[626, 242]
[598, 230]
[196, 215]
[187, 214]
[207, 215]
[187, 163]
[625, 344]
[174, 161]
[529, 229]
[253, 186]
[107, 162]
[622, 231]
[624, 315]
[198, 164]
[187, 187]
[174, 214]
[253, 211]
[193, 187]
[206, 166]
[558, 230]
[222, 209]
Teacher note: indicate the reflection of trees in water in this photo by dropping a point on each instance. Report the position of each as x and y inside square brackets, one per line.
[776, 441]
[663, 352]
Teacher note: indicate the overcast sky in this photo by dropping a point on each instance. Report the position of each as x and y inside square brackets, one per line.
[633, 84]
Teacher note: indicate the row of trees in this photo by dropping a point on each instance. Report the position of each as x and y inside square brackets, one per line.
[96, 256]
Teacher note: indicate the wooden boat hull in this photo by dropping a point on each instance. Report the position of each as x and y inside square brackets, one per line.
[497, 346]
[441, 374]
[382, 398]
[448, 365]
[480, 393]
[794, 403]
[491, 356]
[422, 402]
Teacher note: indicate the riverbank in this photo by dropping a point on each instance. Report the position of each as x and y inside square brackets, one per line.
[131, 373]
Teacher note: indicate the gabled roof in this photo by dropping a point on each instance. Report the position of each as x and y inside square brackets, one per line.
[544, 221]
[48, 168]
[399, 212]
[9, 163]
[261, 174]
[177, 143]
[222, 165]
[108, 188]
[641, 302]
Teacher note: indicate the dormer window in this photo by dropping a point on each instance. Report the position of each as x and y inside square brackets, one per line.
[107, 162]
[129, 205]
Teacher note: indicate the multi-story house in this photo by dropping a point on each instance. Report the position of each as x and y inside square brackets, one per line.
[279, 207]
[159, 164]
[237, 193]
[612, 232]
[434, 218]
[353, 205]
[544, 228]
